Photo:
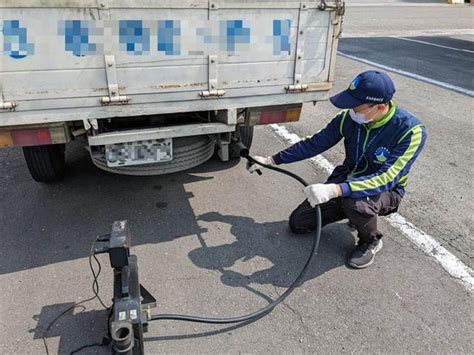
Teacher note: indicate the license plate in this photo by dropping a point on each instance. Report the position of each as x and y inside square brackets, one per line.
[140, 152]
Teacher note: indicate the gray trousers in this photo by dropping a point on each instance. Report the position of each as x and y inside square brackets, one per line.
[362, 213]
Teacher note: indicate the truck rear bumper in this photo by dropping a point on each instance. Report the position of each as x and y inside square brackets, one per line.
[160, 133]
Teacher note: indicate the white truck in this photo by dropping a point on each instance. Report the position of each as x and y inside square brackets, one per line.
[157, 86]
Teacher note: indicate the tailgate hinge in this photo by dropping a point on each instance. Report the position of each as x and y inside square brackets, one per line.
[112, 84]
[8, 105]
[213, 91]
[297, 88]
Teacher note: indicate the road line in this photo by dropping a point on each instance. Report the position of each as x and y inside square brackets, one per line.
[411, 75]
[433, 44]
[412, 33]
[426, 243]
[395, 4]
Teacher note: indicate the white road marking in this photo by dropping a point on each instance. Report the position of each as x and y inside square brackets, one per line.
[395, 4]
[433, 44]
[411, 75]
[410, 33]
[426, 243]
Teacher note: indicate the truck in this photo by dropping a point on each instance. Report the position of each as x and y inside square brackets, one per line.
[155, 87]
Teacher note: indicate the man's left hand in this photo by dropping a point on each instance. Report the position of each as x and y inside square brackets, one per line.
[321, 193]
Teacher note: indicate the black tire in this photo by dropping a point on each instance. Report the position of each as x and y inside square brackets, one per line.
[46, 163]
[246, 137]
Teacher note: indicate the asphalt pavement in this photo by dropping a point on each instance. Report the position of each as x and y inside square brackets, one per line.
[214, 240]
[440, 58]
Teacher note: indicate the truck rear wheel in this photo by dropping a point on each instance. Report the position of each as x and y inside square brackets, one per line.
[246, 135]
[46, 163]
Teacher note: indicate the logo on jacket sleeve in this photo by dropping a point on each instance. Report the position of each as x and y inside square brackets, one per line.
[381, 155]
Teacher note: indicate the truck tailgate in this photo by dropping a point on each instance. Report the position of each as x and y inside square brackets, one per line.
[74, 60]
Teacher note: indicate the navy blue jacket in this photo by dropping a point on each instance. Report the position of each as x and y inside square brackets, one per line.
[384, 151]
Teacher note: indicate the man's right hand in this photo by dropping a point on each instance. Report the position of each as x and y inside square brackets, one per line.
[251, 167]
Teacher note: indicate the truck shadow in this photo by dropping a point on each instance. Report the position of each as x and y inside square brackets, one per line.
[45, 224]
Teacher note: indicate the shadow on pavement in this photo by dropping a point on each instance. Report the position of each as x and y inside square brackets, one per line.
[75, 329]
[273, 242]
[286, 252]
[47, 224]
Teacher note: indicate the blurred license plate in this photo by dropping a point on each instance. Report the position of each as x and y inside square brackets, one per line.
[140, 152]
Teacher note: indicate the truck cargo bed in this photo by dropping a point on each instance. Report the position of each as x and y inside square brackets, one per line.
[76, 60]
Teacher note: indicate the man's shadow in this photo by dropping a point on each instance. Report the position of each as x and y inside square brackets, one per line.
[273, 241]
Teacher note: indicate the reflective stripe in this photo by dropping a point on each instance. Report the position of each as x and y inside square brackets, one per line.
[408, 132]
[341, 125]
[403, 181]
[395, 169]
[386, 118]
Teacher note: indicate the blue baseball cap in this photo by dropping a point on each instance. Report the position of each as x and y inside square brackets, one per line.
[370, 87]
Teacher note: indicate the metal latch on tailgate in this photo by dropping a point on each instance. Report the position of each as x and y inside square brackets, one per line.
[298, 86]
[112, 84]
[213, 91]
[340, 7]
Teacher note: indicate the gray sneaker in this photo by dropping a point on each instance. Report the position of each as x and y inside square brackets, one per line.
[363, 254]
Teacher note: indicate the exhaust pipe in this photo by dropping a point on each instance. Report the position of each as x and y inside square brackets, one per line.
[242, 150]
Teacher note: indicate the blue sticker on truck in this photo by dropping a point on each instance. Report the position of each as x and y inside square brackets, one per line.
[84, 37]
[15, 40]
[281, 36]
[133, 37]
[169, 37]
[76, 36]
[234, 33]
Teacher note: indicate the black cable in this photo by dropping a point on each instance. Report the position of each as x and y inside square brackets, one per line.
[85, 347]
[265, 310]
[95, 290]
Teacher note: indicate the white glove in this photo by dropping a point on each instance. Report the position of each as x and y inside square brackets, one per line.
[320, 193]
[251, 167]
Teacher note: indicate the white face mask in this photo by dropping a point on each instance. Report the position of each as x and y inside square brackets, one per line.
[360, 118]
